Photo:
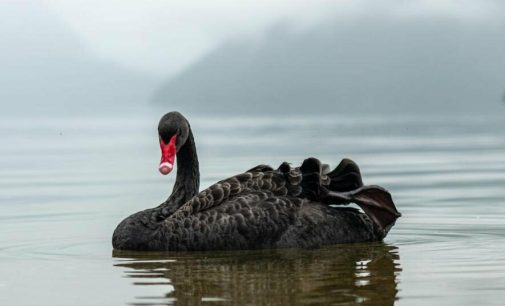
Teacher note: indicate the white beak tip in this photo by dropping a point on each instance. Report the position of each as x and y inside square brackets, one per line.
[165, 168]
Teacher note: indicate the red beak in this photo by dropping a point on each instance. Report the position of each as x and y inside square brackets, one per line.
[167, 155]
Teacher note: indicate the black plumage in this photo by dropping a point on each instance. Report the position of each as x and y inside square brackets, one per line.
[260, 208]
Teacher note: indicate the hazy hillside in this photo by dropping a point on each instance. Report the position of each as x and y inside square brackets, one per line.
[45, 67]
[437, 65]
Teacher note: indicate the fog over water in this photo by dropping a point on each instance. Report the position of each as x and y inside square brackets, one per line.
[347, 56]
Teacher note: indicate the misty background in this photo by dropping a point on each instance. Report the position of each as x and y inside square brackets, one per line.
[263, 57]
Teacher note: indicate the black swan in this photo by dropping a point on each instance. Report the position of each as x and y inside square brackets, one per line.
[260, 208]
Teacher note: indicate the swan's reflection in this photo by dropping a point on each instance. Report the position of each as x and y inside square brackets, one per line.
[358, 274]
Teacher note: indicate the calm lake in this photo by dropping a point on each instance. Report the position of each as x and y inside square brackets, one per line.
[66, 182]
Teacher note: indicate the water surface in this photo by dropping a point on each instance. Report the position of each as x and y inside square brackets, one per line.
[65, 183]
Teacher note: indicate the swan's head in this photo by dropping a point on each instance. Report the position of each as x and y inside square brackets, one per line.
[173, 131]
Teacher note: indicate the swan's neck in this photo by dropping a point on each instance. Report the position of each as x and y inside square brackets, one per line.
[188, 177]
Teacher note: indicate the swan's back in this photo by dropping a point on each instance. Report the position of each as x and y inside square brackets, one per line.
[264, 208]
[261, 220]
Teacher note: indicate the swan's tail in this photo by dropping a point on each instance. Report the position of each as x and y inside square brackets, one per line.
[344, 185]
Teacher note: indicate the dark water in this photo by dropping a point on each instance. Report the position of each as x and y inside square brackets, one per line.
[66, 182]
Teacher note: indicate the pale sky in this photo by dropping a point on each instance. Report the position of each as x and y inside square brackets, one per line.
[164, 37]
